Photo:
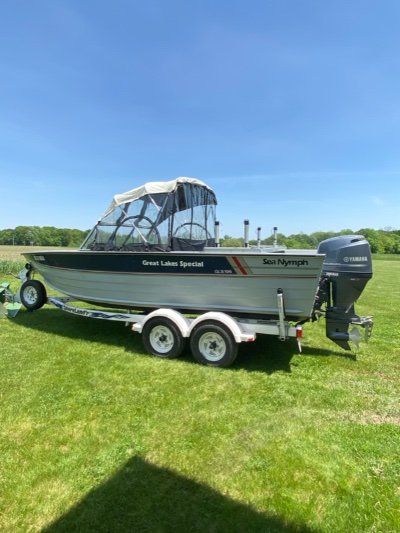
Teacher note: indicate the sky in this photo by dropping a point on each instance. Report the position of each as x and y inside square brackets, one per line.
[288, 109]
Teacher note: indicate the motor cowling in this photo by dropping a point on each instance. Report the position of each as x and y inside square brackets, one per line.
[346, 271]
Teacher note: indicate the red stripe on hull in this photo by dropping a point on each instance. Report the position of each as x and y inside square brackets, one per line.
[238, 264]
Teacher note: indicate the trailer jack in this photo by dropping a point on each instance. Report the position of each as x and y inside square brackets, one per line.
[9, 302]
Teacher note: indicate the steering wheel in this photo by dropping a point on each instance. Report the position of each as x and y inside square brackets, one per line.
[203, 228]
[152, 230]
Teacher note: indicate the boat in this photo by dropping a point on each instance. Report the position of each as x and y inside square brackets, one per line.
[157, 246]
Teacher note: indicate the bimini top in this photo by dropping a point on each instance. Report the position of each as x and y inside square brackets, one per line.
[152, 187]
[159, 215]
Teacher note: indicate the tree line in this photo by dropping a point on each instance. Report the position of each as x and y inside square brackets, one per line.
[42, 236]
[382, 241]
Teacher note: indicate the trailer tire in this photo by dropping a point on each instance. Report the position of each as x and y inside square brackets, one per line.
[162, 337]
[213, 344]
[33, 294]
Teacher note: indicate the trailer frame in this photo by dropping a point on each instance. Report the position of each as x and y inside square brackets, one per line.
[214, 336]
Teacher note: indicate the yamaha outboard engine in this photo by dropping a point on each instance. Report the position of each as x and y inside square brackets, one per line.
[346, 270]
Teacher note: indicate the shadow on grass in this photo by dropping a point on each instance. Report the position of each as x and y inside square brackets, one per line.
[55, 322]
[317, 352]
[267, 354]
[141, 497]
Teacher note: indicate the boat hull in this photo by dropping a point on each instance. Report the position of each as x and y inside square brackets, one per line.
[239, 283]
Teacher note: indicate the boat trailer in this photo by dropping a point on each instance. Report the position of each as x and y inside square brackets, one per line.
[214, 336]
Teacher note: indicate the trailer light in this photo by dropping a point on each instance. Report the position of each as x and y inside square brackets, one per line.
[299, 332]
[248, 337]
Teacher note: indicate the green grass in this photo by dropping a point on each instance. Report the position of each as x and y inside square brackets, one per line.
[98, 436]
[8, 266]
[11, 258]
[386, 257]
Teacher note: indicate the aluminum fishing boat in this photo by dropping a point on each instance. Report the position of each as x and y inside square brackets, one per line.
[157, 246]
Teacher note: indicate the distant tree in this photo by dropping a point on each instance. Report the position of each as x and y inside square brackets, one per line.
[280, 237]
[374, 239]
[22, 235]
[228, 241]
[76, 237]
[42, 236]
[7, 236]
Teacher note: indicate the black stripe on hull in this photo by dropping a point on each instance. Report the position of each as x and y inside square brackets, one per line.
[131, 263]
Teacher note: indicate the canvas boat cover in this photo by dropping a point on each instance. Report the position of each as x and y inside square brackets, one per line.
[152, 187]
[161, 215]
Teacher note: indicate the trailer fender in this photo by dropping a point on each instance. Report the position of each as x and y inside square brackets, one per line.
[238, 331]
[177, 318]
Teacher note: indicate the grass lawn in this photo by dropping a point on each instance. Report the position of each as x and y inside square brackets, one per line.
[98, 436]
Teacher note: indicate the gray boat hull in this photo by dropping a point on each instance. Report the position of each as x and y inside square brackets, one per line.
[243, 282]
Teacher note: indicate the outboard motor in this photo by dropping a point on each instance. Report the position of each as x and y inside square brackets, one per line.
[345, 272]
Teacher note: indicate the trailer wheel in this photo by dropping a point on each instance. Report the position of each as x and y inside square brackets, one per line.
[33, 294]
[162, 337]
[213, 344]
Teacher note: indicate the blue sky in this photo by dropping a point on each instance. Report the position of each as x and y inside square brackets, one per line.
[289, 109]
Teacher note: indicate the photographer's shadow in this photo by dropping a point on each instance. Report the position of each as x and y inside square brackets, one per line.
[142, 497]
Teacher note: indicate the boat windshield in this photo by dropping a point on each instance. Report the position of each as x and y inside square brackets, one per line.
[179, 217]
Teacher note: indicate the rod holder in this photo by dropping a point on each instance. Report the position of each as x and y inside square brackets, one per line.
[246, 233]
[275, 236]
[216, 233]
[259, 236]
